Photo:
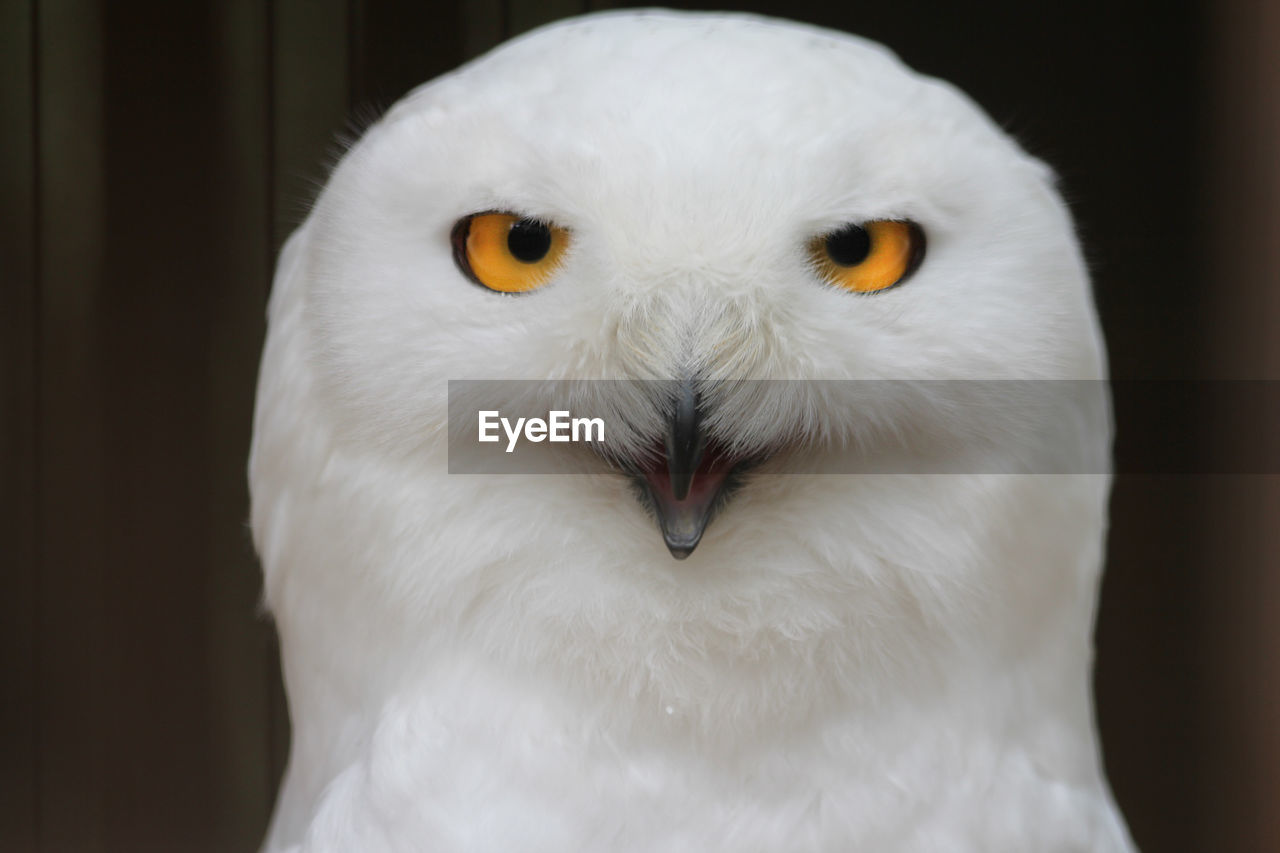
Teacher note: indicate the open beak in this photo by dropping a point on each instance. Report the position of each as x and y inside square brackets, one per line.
[684, 483]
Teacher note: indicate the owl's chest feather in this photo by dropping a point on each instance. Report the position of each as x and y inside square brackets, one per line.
[472, 767]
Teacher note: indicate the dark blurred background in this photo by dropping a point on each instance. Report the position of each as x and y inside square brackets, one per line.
[154, 155]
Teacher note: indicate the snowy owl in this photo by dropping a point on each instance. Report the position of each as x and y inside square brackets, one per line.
[703, 639]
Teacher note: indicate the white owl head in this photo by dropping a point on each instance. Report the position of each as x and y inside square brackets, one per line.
[682, 187]
[692, 198]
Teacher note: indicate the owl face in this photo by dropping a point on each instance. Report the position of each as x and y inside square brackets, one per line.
[638, 198]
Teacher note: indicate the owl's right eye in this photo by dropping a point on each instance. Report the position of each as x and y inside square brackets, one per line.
[506, 252]
[868, 257]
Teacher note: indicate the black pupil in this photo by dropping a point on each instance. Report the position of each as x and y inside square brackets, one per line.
[849, 246]
[529, 241]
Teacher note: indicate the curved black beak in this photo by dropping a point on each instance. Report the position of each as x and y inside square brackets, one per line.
[684, 487]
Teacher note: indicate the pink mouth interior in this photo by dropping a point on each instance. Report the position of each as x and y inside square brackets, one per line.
[709, 476]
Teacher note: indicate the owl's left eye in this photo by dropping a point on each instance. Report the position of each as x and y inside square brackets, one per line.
[868, 257]
[508, 253]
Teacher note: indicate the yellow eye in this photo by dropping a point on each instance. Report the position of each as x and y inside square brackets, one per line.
[868, 257]
[507, 253]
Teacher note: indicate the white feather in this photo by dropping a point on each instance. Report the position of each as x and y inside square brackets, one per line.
[887, 662]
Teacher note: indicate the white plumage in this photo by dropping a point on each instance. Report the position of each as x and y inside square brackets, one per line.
[883, 662]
